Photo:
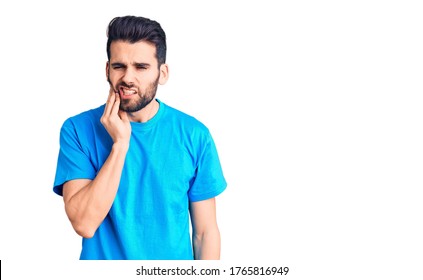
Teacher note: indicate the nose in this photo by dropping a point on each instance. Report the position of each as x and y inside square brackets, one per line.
[128, 77]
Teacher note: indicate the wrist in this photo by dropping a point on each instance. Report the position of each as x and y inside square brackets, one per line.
[120, 146]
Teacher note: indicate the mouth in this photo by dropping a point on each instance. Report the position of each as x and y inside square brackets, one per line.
[126, 92]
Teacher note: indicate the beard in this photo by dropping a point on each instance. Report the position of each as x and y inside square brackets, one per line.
[144, 98]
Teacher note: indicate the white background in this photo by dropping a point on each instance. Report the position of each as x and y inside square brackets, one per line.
[315, 107]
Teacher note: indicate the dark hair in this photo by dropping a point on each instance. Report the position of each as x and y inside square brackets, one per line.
[134, 29]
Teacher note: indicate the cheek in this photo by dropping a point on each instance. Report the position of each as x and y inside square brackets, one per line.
[112, 77]
[144, 80]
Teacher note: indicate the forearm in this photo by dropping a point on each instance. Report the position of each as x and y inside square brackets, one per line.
[88, 207]
[207, 245]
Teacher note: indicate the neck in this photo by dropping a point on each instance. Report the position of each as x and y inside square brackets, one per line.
[146, 113]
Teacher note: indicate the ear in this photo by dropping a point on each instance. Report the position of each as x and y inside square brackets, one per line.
[107, 71]
[164, 74]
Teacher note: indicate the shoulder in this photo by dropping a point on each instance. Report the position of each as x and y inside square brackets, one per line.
[83, 124]
[85, 118]
[184, 121]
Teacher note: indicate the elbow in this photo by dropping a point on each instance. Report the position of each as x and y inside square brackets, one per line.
[82, 224]
[84, 230]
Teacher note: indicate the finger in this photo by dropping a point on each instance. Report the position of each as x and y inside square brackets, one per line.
[109, 104]
[111, 93]
[116, 106]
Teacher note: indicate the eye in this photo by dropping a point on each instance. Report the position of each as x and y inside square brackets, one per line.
[141, 67]
[117, 66]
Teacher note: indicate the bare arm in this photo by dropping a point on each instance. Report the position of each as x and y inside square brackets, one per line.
[88, 202]
[206, 235]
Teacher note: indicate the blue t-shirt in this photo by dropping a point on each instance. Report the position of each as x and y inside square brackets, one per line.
[171, 161]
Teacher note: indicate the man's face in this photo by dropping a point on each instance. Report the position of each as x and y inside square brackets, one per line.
[133, 73]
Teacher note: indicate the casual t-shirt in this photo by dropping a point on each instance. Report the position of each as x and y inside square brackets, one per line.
[171, 161]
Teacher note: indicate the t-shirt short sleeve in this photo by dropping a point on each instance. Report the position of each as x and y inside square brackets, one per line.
[209, 180]
[73, 162]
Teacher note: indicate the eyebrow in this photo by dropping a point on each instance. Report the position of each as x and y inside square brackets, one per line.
[137, 64]
[141, 64]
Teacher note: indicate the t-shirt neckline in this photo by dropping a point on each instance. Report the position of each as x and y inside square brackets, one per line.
[138, 126]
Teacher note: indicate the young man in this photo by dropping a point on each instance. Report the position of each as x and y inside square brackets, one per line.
[134, 171]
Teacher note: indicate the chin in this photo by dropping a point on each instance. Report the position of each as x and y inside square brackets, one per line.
[138, 106]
